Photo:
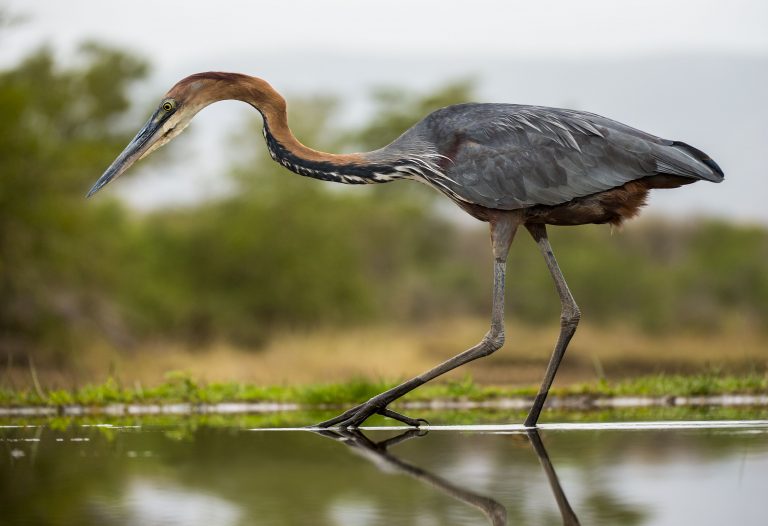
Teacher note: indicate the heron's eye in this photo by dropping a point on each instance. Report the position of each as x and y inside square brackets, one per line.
[169, 105]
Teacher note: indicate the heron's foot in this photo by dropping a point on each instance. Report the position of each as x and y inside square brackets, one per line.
[354, 417]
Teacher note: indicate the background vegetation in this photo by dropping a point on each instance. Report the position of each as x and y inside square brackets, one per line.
[285, 253]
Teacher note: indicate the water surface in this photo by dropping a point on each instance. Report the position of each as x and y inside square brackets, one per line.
[191, 473]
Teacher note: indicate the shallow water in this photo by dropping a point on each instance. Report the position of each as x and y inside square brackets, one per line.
[191, 473]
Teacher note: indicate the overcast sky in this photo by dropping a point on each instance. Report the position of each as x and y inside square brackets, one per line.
[179, 30]
[648, 63]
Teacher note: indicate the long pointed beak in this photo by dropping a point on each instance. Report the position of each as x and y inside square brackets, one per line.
[131, 153]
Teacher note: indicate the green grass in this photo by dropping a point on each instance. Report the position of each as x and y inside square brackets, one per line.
[703, 384]
[180, 387]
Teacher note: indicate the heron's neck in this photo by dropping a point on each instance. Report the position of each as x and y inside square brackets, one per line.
[286, 149]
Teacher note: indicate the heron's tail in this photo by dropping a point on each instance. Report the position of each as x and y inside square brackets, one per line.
[679, 158]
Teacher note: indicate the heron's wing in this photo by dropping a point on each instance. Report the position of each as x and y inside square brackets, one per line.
[510, 157]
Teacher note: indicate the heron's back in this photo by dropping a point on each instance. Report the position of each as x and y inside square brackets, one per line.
[508, 156]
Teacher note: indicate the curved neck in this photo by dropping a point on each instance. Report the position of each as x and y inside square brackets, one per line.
[286, 149]
[278, 132]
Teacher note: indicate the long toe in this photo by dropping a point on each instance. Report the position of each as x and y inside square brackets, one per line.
[360, 416]
[413, 422]
[354, 417]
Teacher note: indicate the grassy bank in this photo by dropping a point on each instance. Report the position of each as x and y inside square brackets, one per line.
[181, 388]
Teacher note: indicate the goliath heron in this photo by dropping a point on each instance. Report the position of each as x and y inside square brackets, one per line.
[507, 164]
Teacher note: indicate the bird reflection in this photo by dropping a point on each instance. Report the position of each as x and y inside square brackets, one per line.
[378, 453]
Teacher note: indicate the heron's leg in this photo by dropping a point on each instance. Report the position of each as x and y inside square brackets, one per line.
[569, 320]
[502, 232]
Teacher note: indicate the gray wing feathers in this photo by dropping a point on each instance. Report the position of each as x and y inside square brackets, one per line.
[511, 156]
[682, 159]
[559, 127]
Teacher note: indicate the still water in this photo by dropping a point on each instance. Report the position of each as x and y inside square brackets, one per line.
[193, 473]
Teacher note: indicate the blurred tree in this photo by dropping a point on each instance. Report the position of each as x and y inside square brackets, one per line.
[57, 130]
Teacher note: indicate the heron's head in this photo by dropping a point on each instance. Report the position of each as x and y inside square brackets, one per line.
[174, 113]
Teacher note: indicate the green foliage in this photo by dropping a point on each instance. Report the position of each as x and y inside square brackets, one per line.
[657, 275]
[58, 130]
[707, 383]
